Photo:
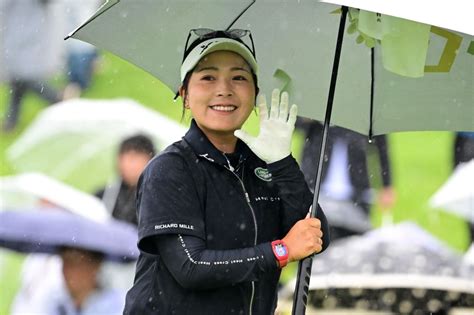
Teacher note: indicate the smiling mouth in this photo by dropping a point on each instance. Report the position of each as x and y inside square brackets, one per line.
[224, 108]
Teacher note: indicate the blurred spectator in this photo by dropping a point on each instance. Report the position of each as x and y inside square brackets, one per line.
[346, 174]
[464, 152]
[81, 56]
[119, 197]
[80, 291]
[463, 147]
[27, 54]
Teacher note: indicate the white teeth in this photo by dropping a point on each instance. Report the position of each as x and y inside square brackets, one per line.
[224, 108]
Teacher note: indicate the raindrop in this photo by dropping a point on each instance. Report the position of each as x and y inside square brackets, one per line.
[242, 226]
[389, 297]
[367, 268]
[420, 261]
[418, 293]
[356, 291]
[452, 296]
[362, 304]
[405, 307]
[385, 263]
[330, 302]
[434, 305]
[353, 260]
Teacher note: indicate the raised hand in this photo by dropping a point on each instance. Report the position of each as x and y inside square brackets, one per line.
[273, 143]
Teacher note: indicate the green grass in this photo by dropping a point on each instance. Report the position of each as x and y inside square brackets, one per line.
[421, 162]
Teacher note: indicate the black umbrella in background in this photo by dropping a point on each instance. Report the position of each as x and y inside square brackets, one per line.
[399, 268]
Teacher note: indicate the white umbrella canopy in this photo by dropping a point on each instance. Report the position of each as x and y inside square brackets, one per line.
[29, 190]
[76, 141]
[456, 195]
[295, 50]
[454, 15]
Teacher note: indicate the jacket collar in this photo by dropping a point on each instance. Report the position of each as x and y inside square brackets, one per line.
[203, 148]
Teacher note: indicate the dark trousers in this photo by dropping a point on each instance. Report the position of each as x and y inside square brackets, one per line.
[18, 89]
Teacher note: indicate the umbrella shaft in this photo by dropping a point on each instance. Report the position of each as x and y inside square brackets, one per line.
[304, 267]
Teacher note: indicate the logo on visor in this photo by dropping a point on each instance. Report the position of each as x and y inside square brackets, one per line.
[263, 174]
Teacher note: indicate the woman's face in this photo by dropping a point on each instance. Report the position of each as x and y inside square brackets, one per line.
[221, 93]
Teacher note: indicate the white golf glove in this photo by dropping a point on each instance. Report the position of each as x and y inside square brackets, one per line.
[274, 140]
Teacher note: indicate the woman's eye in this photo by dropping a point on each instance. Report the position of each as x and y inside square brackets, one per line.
[207, 78]
[240, 78]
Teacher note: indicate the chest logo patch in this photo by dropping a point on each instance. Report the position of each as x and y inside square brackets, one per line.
[263, 174]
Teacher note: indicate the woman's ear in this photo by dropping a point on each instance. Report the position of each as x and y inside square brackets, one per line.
[182, 93]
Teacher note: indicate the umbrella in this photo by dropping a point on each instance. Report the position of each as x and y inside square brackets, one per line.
[456, 195]
[295, 49]
[398, 268]
[76, 140]
[49, 231]
[304, 35]
[29, 189]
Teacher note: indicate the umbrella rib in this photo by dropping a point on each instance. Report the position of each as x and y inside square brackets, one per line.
[372, 89]
[238, 16]
[99, 12]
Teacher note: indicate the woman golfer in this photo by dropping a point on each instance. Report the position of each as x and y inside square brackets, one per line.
[221, 212]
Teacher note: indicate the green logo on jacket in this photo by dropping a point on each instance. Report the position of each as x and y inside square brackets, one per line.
[263, 174]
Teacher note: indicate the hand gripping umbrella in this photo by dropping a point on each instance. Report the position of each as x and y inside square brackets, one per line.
[295, 50]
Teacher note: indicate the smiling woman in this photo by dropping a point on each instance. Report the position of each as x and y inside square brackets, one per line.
[220, 95]
[221, 212]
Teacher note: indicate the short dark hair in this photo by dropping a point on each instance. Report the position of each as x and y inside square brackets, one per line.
[139, 143]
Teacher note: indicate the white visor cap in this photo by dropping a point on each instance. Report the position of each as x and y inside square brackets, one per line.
[217, 44]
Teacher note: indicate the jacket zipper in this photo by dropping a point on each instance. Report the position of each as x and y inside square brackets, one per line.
[252, 211]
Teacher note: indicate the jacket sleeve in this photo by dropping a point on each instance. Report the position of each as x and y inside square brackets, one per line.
[195, 267]
[167, 202]
[296, 198]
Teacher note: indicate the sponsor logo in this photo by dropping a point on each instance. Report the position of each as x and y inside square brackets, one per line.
[174, 226]
[263, 174]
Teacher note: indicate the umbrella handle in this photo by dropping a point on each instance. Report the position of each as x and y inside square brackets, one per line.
[300, 298]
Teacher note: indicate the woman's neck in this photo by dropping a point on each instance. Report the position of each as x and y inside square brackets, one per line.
[223, 143]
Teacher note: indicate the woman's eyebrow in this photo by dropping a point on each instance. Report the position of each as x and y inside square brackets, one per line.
[207, 68]
[240, 69]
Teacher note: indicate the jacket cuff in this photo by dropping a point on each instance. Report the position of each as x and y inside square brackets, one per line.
[269, 258]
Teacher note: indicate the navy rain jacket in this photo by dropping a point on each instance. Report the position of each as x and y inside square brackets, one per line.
[206, 223]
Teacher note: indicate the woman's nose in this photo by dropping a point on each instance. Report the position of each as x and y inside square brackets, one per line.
[224, 88]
